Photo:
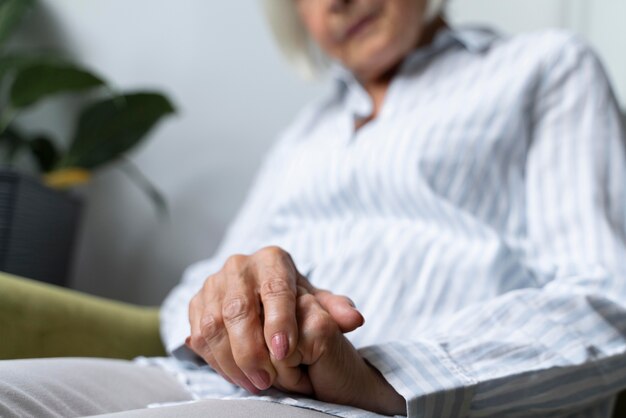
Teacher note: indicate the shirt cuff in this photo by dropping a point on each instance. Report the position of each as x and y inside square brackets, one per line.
[423, 373]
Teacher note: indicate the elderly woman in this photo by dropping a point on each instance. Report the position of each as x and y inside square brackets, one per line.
[465, 191]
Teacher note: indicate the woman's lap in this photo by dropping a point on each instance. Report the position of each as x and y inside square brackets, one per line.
[215, 408]
[67, 387]
[71, 387]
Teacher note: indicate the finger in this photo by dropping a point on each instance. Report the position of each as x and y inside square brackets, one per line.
[276, 275]
[241, 313]
[317, 329]
[211, 338]
[210, 359]
[291, 376]
[334, 365]
[196, 341]
[217, 339]
[342, 310]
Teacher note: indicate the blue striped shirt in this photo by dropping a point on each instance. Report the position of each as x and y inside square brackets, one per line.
[478, 223]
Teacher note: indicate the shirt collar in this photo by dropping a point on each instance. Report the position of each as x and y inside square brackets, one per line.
[473, 39]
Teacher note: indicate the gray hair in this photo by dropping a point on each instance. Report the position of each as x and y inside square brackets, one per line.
[296, 44]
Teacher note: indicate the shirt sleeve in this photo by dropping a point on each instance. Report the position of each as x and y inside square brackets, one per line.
[560, 347]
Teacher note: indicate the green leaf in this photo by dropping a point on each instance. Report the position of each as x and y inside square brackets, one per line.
[111, 127]
[38, 81]
[11, 13]
[45, 153]
[12, 62]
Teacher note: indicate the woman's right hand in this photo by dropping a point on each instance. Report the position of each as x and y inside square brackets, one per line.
[246, 313]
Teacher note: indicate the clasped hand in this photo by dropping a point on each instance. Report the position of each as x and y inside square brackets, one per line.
[259, 323]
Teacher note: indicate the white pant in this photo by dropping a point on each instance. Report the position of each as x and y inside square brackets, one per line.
[74, 387]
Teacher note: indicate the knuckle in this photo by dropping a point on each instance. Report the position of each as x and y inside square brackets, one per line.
[194, 308]
[272, 251]
[276, 287]
[209, 327]
[321, 325]
[197, 342]
[306, 303]
[236, 262]
[235, 308]
[276, 256]
[209, 283]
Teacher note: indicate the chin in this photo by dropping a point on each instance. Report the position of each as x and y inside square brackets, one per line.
[376, 66]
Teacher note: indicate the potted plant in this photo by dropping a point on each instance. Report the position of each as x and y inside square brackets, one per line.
[38, 215]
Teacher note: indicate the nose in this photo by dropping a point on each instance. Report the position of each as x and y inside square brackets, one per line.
[339, 5]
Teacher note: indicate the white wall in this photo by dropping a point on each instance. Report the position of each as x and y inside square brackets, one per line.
[217, 62]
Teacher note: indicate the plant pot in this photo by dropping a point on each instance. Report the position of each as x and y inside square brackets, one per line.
[37, 228]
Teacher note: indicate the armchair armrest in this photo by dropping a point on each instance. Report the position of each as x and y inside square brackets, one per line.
[41, 320]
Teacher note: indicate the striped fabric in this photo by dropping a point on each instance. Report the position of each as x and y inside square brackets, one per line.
[478, 223]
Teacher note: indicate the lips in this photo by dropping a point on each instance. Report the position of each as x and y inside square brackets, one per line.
[359, 26]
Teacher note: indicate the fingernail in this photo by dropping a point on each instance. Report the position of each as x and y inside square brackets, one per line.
[260, 379]
[351, 302]
[280, 346]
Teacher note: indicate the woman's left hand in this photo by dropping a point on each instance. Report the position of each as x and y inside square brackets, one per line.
[327, 367]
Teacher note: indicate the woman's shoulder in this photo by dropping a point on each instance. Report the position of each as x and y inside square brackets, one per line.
[548, 47]
[537, 57]
[551, 38]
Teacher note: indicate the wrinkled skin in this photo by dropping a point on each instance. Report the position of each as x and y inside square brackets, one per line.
[246, 313]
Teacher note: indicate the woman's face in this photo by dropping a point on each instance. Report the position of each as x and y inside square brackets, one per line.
[369, 37]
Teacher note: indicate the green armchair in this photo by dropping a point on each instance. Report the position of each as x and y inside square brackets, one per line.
[40, 320]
